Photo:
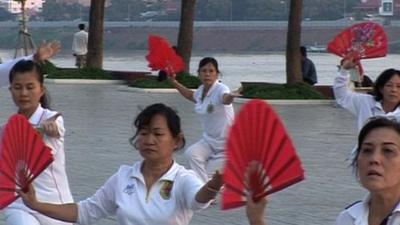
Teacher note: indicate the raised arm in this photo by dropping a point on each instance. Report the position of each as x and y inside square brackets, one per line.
[44, 52]
[65, 212]
[255, 211]
[185, 92]
[229, 97]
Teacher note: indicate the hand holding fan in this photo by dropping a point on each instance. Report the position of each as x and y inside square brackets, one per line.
[261, 158]
[23, 156]
[162, 57]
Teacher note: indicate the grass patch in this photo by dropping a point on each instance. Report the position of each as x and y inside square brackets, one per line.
[281, 91]
[185, 79]
[54, 72]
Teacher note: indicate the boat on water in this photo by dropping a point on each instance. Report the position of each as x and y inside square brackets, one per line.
[316, 48]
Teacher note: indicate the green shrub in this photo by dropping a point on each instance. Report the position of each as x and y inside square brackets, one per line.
[85, 73]
[281, 91]
[185, 79]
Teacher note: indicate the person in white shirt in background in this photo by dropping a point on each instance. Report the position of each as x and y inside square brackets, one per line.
[79, 46]
[155, 190]
[213, 104]
[30, 96]
[44, 52]
[377, 166]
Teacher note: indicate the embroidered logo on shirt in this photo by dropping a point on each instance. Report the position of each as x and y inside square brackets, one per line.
[210, 108]
[166, 189]
[129, 189]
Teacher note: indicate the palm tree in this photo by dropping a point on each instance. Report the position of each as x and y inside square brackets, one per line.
[293, 57]
[25, 45]
[96, 27]
[185, 36]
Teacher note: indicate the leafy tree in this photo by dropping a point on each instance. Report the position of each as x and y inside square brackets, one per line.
[293, 57]
[185, 36]
[96, 28]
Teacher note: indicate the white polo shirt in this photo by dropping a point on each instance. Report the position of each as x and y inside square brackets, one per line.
[357, 214]
[363, 106]
[215, 116]
[6, 67]
[79, 42]
[52, 184]
[170, 201]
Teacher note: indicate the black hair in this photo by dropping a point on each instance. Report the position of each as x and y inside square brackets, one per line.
[81, 26]
[206, 60]
[382, 79]
[372, 124]
[146, 115]
[24, 66]
[303, 51]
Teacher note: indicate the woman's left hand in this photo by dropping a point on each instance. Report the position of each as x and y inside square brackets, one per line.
[237, 92]
[46, 50]
[50, 127]
[216, 181]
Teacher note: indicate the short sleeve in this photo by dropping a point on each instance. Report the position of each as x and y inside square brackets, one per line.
[222, 90]
[344, 218]
[99, 205]
[190, 186]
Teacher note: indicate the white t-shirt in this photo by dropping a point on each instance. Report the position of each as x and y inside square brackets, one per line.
[79, 43]
[215, 116]
[363, 106]
[357, 214]
[52, 184]
[170, 201]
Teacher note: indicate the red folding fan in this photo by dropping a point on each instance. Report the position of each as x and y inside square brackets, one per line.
[162, 57]
[360, 41]
[261, 158]
[23, 156]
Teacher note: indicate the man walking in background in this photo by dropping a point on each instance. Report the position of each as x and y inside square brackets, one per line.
[307, 68]
[79, 46]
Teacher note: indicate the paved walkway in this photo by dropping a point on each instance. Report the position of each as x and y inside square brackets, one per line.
[98, 119]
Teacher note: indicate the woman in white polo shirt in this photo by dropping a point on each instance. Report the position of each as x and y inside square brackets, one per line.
[377, 165]
[156, 190]
[30, 96]
[213, 103]
[384, 102]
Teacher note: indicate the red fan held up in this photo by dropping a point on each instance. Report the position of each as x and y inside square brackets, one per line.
[261, 158]
[162, 57]
[23, 156]
[360, 41]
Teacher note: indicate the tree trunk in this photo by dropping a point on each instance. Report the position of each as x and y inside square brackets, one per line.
[96, 27]
[293, 56]
[185, 36]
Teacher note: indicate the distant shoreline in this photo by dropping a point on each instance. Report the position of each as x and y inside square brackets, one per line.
[263, 37]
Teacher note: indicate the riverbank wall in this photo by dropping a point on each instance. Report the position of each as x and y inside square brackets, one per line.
[221, 37]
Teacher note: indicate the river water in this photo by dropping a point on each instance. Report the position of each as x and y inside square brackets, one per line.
[269, 67]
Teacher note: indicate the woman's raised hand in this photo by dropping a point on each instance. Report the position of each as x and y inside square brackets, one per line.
[46, 50]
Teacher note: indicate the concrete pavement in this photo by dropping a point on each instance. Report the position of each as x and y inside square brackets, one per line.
[98, 120]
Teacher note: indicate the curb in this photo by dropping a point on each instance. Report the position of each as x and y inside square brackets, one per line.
[82, 81]
[149, 90]
[236, 100]
[290, 102]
